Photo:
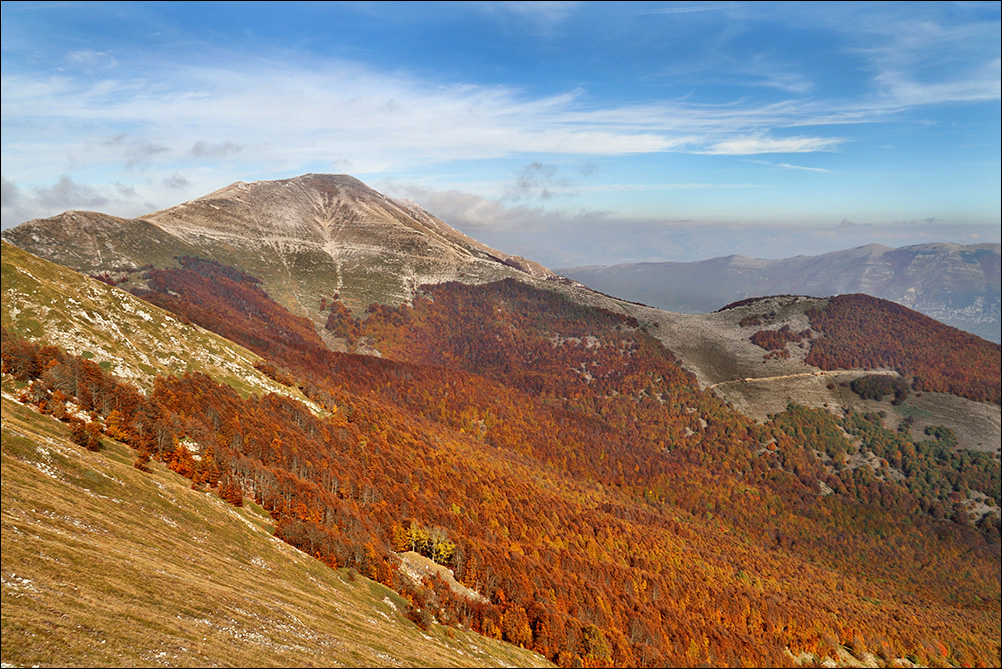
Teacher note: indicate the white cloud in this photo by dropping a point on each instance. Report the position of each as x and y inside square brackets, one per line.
[919, 60]
[90, 60]
[788, 166]
[468, 211]
[135, 151]
[547, 13]
[218, 150]
[686, 10]
[743, 146]
[67, 193]
[21, 203]
[175, 180]
[907, 90]
[280, 116]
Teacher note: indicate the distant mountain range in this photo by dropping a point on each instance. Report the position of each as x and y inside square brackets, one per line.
[956, 284]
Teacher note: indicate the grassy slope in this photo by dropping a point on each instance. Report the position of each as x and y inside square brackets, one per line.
[129, 337]
[105, 565]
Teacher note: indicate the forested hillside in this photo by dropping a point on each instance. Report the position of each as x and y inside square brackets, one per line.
[860, 333]
[563, 464]
[107, 565]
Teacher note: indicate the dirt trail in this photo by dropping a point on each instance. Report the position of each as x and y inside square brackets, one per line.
[840, 372]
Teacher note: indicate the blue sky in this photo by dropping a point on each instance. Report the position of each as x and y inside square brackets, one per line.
[572, 133]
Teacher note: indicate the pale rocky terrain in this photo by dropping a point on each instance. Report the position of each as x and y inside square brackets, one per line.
[417, 567]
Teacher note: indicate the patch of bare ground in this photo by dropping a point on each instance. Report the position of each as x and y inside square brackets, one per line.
[416, 567]
[978, 425]
[716, 348]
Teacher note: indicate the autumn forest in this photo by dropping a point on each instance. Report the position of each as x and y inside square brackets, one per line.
[566, 467]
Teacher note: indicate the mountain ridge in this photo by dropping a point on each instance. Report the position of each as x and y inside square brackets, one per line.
[307, 238]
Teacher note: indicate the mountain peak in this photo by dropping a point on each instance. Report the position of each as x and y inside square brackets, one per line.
[307, 238]
[336, 210]
[338, 213]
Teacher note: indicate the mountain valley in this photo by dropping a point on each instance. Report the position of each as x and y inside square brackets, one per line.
[787, 480]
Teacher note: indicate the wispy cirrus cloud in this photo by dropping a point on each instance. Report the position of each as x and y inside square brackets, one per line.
[755, 144]
[281, 114]
[690, 9]
[90, 60]
[917, 59]
[788, 166]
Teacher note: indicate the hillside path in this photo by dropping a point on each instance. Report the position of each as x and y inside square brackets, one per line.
[803, 374]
